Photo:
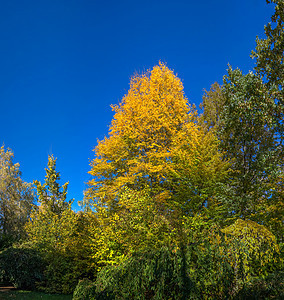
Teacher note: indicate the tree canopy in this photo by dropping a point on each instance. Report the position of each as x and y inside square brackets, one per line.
[16, 198]
[154, 142]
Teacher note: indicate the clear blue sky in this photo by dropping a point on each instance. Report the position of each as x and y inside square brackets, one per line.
[64, 62]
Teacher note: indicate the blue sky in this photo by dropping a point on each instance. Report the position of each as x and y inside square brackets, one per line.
[64, 62]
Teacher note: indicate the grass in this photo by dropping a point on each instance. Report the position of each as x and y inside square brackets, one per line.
[26, 295]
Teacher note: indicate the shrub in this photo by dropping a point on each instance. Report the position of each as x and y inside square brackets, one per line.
[21, 266]
[85, 290]
[210, 270]
[62, 273]
[201, 270]
[196, 272]
[270, 287]
[157, 274]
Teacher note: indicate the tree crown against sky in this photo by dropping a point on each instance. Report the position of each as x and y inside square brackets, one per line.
[16, 198]
[155, 142]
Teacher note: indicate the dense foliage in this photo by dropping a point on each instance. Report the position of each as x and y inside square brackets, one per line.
[22, 266]
[181, 204]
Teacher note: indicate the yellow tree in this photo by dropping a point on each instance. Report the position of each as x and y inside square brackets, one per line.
[138, 225]
[153, 142]
[156, 168]
[140, 136]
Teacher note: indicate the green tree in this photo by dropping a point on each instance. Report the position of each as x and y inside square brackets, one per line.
[50, 195]
[16, 198]
[248, 136]
[53, 216]
[269, 54]
[269, 51]
[59, 234]
[212, 107]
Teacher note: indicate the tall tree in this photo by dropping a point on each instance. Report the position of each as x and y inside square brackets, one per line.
[52, 221]
[155, 143]
[144, 124]
[16, 197]
[248, 136]
[269, 54]
[59, 234]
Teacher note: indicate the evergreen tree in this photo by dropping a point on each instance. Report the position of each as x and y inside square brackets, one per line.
[50, 222]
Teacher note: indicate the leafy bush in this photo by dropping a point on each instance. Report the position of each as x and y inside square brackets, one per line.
[158, 274]
[254, 249]
[85, 290]
[163, 274]
[148, 275]
[199, 271]
[27, 268]
[62, 273]
[209, 268]
[270, 287]
[21, 266]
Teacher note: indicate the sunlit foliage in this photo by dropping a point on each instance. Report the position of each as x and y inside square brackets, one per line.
[154, 142]
[16, 199]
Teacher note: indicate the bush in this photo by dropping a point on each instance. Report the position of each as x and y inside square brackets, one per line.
[158, 274]
[62, 273]
[21, 266]
[198, 272]
[270, 287]
[85, 290]
[202, 270]
[149, 275]
[210, 270]
[30, 269]
[189, 273]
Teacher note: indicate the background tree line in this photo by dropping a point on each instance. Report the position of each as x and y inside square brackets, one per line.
[182, 204]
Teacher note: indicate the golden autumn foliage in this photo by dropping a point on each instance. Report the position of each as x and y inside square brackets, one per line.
[141, 134]
[154, 142]
[156, 168]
